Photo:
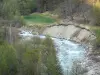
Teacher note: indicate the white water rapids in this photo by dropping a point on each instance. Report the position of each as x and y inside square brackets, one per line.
[67, 51]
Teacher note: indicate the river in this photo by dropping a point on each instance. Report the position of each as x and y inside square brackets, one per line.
[67, 51]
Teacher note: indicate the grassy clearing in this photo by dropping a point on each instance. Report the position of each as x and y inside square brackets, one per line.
[37, 18]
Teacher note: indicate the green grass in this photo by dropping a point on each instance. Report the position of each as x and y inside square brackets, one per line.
[37, 18]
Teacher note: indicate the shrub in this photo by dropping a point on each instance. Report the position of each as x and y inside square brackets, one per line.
[37, 56]
[8, 60]
[18, 21]
[50, 58]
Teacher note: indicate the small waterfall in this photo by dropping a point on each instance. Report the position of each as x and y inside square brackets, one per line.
[67, 51]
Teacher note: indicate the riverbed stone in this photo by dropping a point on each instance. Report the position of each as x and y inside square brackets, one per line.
[70, 31]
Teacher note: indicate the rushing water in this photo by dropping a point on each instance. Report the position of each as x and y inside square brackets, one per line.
[67, 51]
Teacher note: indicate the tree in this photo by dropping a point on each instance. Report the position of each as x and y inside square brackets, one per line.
[8, 60]
[29, 57]
[50, 59]
[68, 8]
[30, 61]
[26, 6]
[9, 9]
[37, 57]
[1, 5]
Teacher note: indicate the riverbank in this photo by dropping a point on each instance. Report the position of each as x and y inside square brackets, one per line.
[90, 58]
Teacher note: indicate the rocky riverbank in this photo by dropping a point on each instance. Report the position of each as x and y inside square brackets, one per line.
[69, 31]
[80, 34]
[65, 31]
[91, 62]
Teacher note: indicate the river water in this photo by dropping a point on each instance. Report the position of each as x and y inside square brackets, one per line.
[67, 51]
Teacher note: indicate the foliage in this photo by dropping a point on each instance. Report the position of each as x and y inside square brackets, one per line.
[10, 13]
[9, 9]
[37, 57]
[50, 58]
[18, 20]
[26, 6]
[8, 60]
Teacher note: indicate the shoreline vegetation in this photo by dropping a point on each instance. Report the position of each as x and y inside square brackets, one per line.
[34, 57]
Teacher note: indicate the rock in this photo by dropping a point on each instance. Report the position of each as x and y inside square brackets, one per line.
[70, 31]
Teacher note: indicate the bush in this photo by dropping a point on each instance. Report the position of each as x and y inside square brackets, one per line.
[8, 60]
[18, 21]
[37, 57]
